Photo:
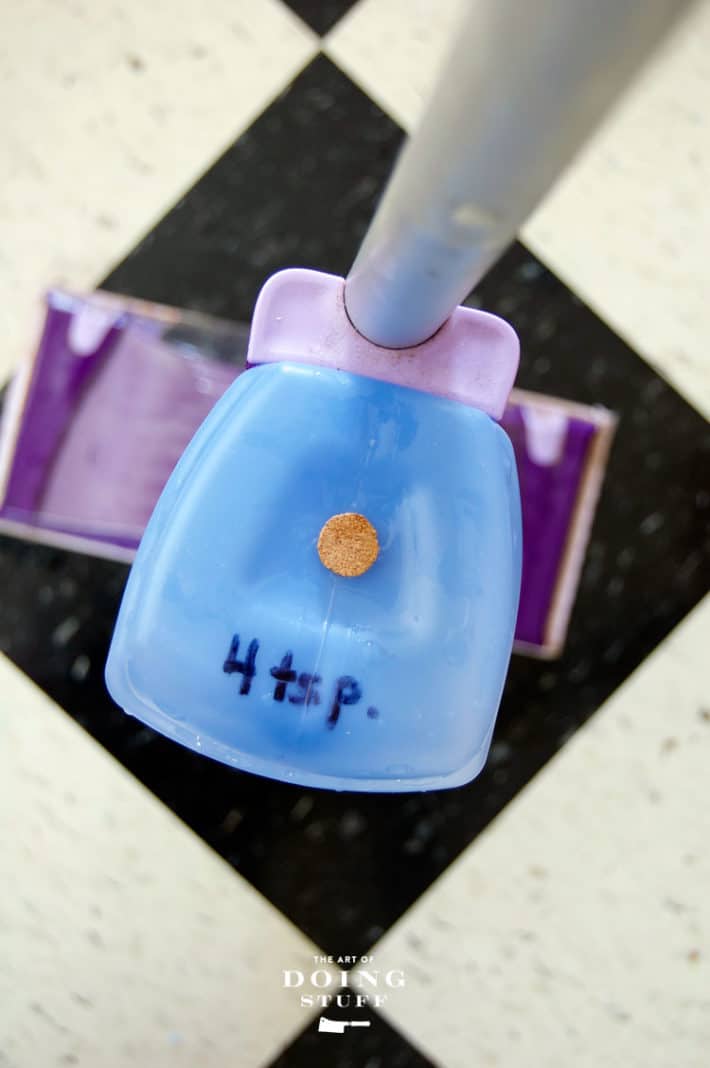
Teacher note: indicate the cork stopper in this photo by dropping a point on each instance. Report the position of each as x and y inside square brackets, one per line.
[347, 544]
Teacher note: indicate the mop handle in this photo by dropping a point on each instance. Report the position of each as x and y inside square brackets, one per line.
[524, 84]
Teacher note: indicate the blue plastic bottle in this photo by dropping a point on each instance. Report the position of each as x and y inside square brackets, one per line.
[235, 639]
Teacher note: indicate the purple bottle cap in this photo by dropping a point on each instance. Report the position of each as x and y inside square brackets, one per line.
[300, 317]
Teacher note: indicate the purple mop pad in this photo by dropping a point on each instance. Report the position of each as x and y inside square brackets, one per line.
[95, 422]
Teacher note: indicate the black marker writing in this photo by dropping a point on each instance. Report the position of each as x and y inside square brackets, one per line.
[284, 675]
[246, 668]
[309, 690]
[305, 685]
[347, 692]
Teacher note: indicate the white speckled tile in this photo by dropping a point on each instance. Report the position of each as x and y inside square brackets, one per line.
[574, 931]
[393, 48]
[628, 226]
[108, 113]
[124, 940]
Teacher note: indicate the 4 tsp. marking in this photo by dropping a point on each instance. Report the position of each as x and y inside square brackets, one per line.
[296, 687]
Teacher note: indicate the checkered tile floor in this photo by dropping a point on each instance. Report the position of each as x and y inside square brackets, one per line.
[554, 911]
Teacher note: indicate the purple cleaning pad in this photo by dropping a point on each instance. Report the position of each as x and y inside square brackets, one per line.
[561, 449]
[95, 422]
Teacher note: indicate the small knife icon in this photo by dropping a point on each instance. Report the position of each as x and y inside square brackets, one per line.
[337, 1027]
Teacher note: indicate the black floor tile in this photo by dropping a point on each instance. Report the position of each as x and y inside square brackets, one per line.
[321, 15]
[298, 189]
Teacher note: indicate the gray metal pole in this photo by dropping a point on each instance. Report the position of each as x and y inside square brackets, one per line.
[525, 83]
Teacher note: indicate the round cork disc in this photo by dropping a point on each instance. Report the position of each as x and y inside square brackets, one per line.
[348, 544]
